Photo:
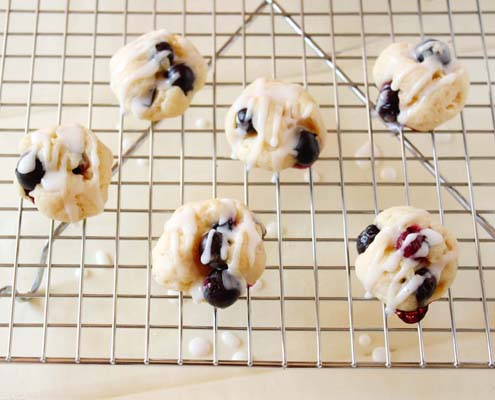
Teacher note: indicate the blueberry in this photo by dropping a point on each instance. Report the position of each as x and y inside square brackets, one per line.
[83, 166]
[307, 148]
[366, 237]
[229, 224]
[152, 97]
[29, 180]
[185, 79]
[221, 289]
[387, 104]
[427, 288]
[215, 260]
[243, 123]
[433, 47]
[412, 317]
[162, 46]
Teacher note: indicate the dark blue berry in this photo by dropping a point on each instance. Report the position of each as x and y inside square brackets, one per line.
[29, 180]
[82, 167]
[243, 122]
[185, 79]
[387, 104]
[433, 47]
[215, 250]
[366, 237]
[307, 148]
[221, 289]
[162, 46]
[427, 288]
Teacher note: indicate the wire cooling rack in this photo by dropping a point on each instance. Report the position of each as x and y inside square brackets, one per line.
[83, 292]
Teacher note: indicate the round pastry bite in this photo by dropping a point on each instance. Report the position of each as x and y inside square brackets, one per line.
[406, 260]
[157, 75]
[210, 249]
[275, 125]
[421, 86]
[65, 171]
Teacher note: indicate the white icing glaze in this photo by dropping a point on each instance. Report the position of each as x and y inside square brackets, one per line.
[364, 340]
[365, 151]
[240, 355]
[231, 340]
[199, 347]
[103, 258]
[379, 354]
[27, 163]
[388, 174]
[202, 123]
[260, 283]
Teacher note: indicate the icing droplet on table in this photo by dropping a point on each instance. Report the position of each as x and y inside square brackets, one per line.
[199, 347]
[103, 258]
[231, 340]
[77, 272]
[316, 176]
[257, 286]
[202, 123]
[379, 354]
[388, 174]
[443, 137]
[365, 151]
[239, 356]
[364, 340]
[143, 162]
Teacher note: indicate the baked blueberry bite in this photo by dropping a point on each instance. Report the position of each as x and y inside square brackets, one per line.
[275, 125]
[157, 75]
[211, 250]
[65, 171]
[421, 86]
[406, 260]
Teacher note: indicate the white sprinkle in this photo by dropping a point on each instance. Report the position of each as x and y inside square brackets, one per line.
[202, 123]
[77, 272]
[379, 354]
[199, 347]
[143, 162]
[231, 340]
[316, 176]
[103, 258]
[365, 151]
[388, 174]
[443, 137]
[257, 286]
[239, 356]
[364, 340]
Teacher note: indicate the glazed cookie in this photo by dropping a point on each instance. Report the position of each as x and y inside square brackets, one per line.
[406, 260]
[157, 75]
[65, 171]
[275, 125]
[420, 86]
[210, 249]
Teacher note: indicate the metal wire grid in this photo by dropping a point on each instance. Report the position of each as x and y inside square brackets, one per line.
[293, 14]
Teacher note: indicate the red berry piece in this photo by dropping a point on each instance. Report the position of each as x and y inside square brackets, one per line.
[412, 317]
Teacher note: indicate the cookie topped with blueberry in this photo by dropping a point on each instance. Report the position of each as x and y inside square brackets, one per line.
[157, 75]
[406, 260]
[65, 171]
[421, 86]
[275, 125]
[211, 250]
